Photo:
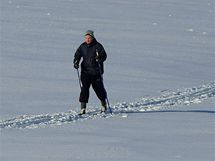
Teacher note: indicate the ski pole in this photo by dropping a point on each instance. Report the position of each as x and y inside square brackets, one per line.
[79, 80]
[103, 84]
[108, 104]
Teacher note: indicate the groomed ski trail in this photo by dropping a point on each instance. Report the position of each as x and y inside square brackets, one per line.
[165, 102]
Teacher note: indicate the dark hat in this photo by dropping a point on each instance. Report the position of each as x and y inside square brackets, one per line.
[89, 32]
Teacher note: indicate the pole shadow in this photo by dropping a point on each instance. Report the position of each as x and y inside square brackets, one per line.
[172, 111]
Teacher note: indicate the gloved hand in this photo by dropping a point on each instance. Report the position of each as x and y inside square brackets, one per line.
[76, 64]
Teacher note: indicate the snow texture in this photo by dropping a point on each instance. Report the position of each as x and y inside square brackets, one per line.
[166, 101]
[159, 75]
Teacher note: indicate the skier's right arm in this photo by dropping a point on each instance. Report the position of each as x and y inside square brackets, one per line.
[77, 58]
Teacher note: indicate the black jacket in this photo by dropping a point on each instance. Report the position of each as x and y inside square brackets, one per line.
[89, 64]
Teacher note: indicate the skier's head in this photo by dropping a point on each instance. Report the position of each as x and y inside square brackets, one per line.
[89, 36]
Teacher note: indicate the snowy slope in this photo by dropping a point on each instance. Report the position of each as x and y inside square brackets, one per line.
[160, 60]
[148, 50]
[166, 102]
[162, 136]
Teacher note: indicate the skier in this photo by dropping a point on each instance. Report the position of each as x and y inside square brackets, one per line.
[93, 55]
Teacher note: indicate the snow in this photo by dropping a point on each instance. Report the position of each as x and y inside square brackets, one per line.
[156, 50]
[160, 136]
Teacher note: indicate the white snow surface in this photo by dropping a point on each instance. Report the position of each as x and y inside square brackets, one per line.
[144, 105]
[159, 75]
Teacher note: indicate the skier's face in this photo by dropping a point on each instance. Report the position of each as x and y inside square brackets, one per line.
[88, 39]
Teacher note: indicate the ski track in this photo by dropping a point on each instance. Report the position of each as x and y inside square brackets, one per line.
[165, 102]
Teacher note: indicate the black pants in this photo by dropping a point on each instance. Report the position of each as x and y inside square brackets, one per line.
[97, 84]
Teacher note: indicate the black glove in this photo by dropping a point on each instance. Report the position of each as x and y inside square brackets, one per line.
[76, 64]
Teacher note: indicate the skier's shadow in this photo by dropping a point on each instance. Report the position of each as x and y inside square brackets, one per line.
[173, 111]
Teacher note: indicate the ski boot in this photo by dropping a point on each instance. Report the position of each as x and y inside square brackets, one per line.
[103, 106]
[83, 108]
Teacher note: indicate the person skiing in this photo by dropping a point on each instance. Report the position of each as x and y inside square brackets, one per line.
[93, 55]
